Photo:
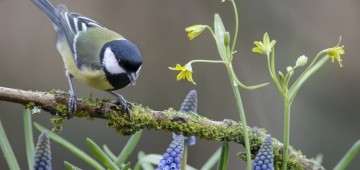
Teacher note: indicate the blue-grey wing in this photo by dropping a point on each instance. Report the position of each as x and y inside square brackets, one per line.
[72, 25]
[68, 26]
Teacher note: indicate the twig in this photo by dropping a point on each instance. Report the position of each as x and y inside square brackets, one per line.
[55, 102]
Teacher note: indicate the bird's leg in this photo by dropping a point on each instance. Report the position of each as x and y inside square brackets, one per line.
[125, 105]
[72, 100]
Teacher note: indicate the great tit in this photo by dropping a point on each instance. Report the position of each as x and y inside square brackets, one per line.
[93, 54]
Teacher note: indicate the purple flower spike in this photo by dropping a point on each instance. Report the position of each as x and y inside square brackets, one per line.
[43, 153]
[172, 157]
[190, 102]
[264, 159]
[190, 105]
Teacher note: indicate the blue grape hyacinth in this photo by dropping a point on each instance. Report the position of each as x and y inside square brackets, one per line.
[190, 105]
[43, 153]
[190, 102]
[264, 159]
[172, 157]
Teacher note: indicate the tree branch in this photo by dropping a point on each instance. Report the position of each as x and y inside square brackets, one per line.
[55, 102]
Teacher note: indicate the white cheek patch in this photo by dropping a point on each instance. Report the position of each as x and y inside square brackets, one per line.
[110, 62]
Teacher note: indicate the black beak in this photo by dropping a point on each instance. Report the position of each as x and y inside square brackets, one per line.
[132, 77]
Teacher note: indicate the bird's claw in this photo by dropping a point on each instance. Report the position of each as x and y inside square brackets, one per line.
[72, 105]
[125, 105]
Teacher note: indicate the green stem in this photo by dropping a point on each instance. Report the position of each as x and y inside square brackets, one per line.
[207, 61]
[212, 160]
[305, 76]
[244, 86]
[348, 157]
[271, 67]
[7, 150]
[213, 34]
[184, 157]
[240, 108]
[236, 25]
[306, 71]
[29, 141]
[224, 156]
[128, 148]
[286, 133]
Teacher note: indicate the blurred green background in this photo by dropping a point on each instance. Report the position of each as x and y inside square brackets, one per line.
[325, 116]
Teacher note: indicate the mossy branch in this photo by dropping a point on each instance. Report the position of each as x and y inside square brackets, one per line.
[55, 102]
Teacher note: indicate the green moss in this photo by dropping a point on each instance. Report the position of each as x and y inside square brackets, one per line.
[57, 124]
[93, 102]
[293, 164]
[228, 131]
[55, 91]
[127, 126]
[140, 121]
[61, 110]
[83, 114]
[30, 105]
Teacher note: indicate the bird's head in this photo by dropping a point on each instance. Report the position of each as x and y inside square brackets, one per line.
[121, 59]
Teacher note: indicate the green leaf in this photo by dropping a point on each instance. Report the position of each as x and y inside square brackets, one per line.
[29, 140]
[128, 149]
[126, 167]
[224, 157]
[76, 151]
[220, 35]
[109, 153]
[348, 157]
[150, 158]
[101, 155]
[7, 150]
[184, 157]
[70, 166]
[144, 165]
[212, 160]
[305, 76]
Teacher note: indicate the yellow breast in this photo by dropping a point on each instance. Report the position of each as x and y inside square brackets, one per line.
[88, 76]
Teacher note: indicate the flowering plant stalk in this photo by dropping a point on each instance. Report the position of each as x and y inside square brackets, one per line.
[226, 53]
[266, 47]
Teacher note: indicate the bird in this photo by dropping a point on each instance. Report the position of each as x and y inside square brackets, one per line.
[93, 54]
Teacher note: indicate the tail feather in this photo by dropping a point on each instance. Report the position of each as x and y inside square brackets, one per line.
[49, 10]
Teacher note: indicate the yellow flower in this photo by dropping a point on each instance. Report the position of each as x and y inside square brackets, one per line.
[335, 54]
[195, 30]
[185, 72]
[265, 46]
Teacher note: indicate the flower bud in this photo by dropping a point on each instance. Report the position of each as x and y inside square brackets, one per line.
[281, 76]
[195, 30]
[227, 39]
[290, 70]
[301, 61]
